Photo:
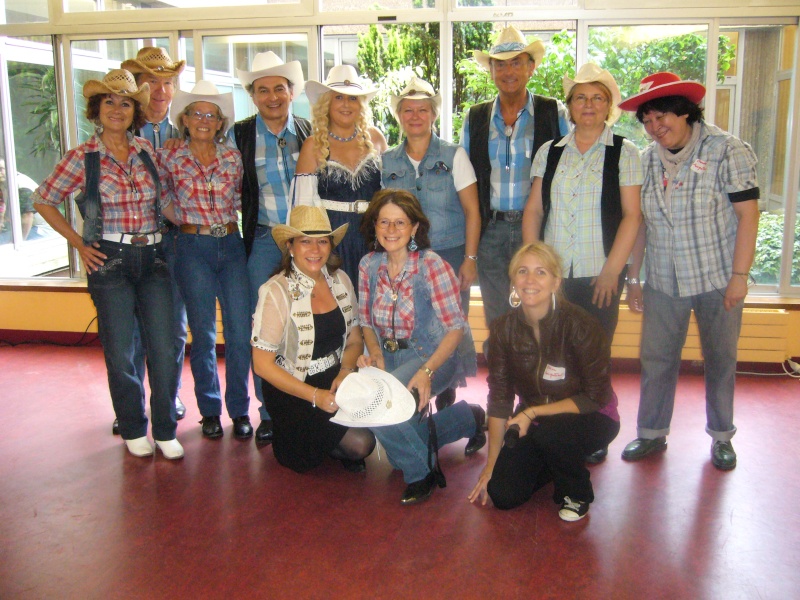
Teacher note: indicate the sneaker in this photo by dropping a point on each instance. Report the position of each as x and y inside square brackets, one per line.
[573, 510]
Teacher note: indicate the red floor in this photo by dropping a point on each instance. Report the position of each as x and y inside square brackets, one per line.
[81, 518]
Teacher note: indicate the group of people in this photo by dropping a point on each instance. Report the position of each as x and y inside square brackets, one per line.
[354, 256]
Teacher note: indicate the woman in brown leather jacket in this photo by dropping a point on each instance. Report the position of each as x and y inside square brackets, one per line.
[554, 356]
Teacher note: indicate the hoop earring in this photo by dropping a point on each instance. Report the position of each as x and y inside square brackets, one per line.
[412, 245]
[513, 298]
[554, 300]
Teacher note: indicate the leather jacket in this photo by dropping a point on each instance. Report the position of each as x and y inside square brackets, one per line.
[573, 360]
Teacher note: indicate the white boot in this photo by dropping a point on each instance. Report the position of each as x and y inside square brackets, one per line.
[139, 447]
[171, 449]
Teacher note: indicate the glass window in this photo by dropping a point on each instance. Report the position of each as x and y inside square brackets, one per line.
[29, 11]
[350, 5]
[28, 246]
[238, 51]
[75, 6]
[519, 3]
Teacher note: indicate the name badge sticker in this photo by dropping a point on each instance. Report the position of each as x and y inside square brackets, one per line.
[699, 166]
[552, 373]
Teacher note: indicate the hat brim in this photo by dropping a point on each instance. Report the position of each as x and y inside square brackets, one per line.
[608, 81]
[93, 87]
[291, 71]
[315, 90]
[394, 102]
[691, 90]
[283, 233]
[135, 67]
[535, 50]
[401, 410]
[183, 99]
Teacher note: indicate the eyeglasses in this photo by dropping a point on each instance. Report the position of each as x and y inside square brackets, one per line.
[596, 99]
[198, 116]
[399, 224]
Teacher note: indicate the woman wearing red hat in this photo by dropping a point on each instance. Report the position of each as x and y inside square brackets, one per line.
[700, 205]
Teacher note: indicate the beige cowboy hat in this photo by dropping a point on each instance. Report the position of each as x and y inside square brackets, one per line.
[120, 82]
[373, 398]
[660, 85]
[266, 64]
[310, 221]
[203, 91]
[591, 73]
[154, 61]
[416, 89]
[509, 43]
[342, 79]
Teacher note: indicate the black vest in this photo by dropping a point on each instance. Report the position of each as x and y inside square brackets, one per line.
[244, 132]
[610, 197]
[545, 128]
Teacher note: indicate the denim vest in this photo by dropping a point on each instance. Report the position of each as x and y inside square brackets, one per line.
[428, 330]
[434, 188]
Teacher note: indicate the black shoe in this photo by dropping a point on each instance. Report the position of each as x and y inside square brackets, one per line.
[264, 433]
[212, 428]
[598, 456]
[354, 466]
[115, 427]
[573, 510]
[419, 490]
[723, 456]
[640, 447]
[477, 441]
[445, 399]
[242, 428]
[180, 409]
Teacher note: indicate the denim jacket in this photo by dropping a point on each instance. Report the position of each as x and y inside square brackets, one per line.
[434, 188]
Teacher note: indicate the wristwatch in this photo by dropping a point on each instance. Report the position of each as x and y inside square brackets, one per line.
[632, 281]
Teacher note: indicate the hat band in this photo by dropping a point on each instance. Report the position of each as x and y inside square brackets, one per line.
[345, 83]
[507, 47]
[317, 232]
[411, 92]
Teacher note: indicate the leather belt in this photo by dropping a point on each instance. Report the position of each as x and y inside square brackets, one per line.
[322, 364]
[509, 216]
[218, 231]
[134, 239]
[392, 345]
[359, 206]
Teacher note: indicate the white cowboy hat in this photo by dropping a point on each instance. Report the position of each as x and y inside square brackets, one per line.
[203, 91]
[342, 79]
[154, 61]
[373, 398]
[310, 221]
[120, 82]
[416, 89]
[591, 73]
[509, 44]
[266, 64]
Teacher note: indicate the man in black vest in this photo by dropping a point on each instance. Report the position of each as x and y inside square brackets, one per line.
[270, 142]
[502, 137]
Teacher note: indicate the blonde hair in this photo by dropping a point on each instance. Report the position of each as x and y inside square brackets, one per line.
[545, 253]
[320, 116]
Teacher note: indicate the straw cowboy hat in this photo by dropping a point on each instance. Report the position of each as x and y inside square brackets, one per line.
[120, 82]
[304, 220]
[266, 64]
[154, 61]
[373, 398]
[660, 85]
[342, 79]
[591, 73]
[509, 44]
[203, 91]
[416, 89]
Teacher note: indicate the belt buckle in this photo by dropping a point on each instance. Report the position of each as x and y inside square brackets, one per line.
[218, 231]
[391, 345]
[139, 240]
[360, 206]
[513, 216]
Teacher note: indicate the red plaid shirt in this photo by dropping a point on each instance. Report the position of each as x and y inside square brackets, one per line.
[444, 289]
[203, 195]
[127, 192]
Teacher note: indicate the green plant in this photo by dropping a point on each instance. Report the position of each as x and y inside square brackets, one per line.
[40, 83]
[769, 245]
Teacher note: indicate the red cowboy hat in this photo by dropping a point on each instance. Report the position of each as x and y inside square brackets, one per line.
[660, 85]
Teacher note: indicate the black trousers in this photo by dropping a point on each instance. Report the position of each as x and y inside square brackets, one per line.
[554, 450]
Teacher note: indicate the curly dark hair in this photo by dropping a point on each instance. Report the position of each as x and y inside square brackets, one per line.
[93, 111]
[333, 262]
[677, 105]
[408, 203]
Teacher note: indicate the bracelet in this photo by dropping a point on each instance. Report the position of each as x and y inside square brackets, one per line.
[428, 372]
[347, 369]
[745, 275]
[469, 256]
[631, 281]
[314, 398]
[534, 414]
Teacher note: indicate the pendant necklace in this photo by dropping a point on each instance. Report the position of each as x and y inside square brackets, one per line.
[509, 130]
[209, 181]
[344, 139]
[128, 176]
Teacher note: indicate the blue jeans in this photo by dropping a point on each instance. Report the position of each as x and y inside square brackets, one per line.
[264, 258]
[664, 327]
[406, 443]
[169, 246]
[455, 257]
[135, 280]
[499, 243]
[211, 268]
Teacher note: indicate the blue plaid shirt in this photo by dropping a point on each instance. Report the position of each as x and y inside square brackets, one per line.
[511, 157]
[166, 131]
